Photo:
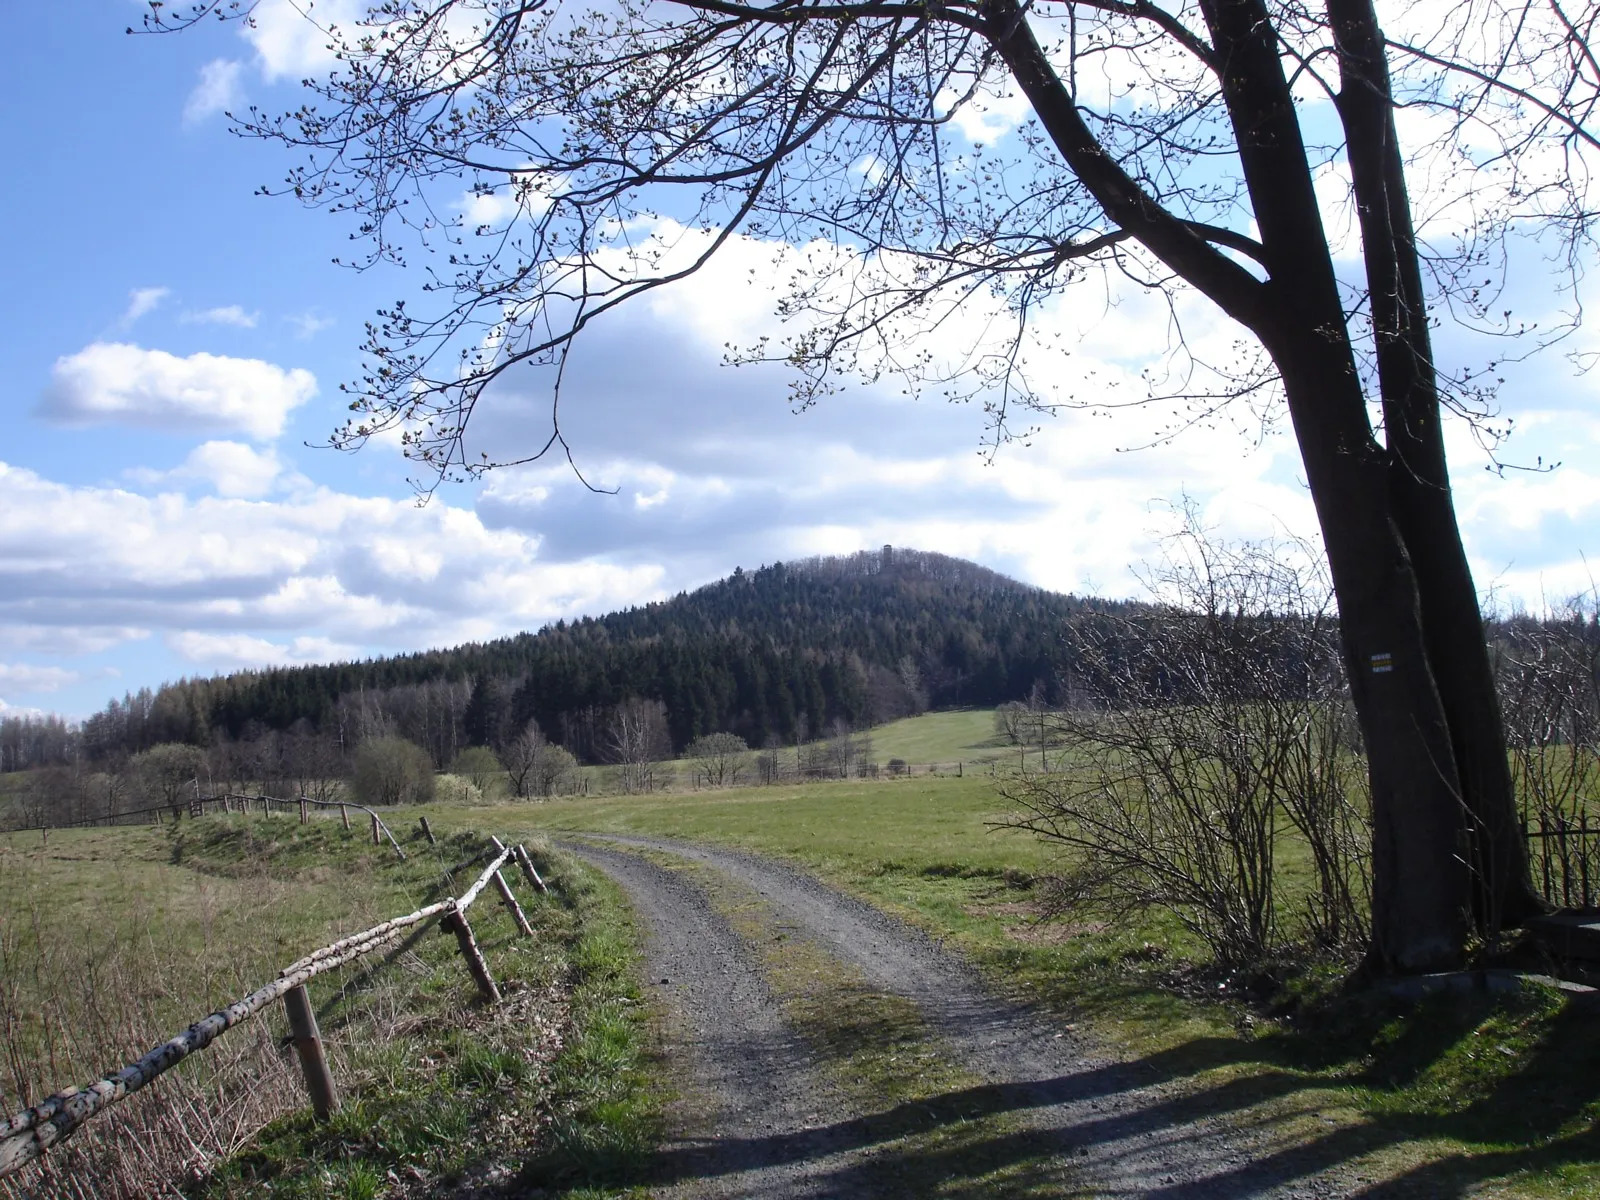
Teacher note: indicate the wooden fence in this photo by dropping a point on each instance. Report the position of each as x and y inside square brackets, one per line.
[30, 1134]
[231, 802]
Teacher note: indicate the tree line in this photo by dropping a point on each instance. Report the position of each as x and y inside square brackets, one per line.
[780, 654]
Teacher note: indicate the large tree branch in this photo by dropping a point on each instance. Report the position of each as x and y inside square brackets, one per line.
[1174, 241]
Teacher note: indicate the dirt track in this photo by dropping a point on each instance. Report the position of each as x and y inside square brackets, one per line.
[760, 1113]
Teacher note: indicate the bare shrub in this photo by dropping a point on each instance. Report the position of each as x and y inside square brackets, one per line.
[719, 758]
[1548, 673]
[536, 766]
[392, 770]
[481, 767]
[638, 740]
[1216, 723]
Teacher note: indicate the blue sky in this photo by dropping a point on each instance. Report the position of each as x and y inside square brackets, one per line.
[174, 341]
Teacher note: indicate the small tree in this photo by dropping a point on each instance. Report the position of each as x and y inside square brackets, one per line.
[638, 739]
[718, 758]
[167, 772]
[555, 773]
[392, 771]
[481, 767]
[769, 763]
[847, 750]
[1012, 721]
[536, 766]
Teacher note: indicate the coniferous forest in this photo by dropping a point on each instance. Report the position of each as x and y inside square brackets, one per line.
[776, 655]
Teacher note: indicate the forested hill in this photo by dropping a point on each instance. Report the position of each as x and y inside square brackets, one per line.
[781, 652]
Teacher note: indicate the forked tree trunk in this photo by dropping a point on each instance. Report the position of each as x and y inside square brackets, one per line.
[1420, 881]
[1419, 476]
[1413, 639]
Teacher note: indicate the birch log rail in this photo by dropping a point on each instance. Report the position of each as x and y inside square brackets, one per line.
[30, 1134]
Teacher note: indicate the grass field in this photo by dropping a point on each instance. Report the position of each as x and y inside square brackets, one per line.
[113, 940]
[1476, 1094]
[941, 737]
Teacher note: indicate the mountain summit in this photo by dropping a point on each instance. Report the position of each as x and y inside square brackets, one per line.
[783, 652]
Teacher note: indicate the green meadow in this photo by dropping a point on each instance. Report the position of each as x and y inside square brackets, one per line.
[1479, 1093]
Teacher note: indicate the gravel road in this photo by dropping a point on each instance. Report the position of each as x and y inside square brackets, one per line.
[758, 1117]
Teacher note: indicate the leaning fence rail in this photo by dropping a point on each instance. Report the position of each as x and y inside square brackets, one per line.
[30, 1134]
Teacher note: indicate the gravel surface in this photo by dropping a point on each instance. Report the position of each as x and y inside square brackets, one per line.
[756, 1118]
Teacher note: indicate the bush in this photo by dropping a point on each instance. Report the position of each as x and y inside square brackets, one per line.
[718, 757]
[897, 766]
[392, 771]
[1220, 721]
[167, 772]
[536, 766]
[481, 767]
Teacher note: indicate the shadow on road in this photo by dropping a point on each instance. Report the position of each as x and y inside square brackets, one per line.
[960, 1142]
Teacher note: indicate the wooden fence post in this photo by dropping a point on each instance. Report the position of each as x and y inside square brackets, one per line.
[427, 831]
[305, 814]
[506, 897]
[344, 815]
[308, 1046]
[526, 863]
[377, 838]
[456, 922]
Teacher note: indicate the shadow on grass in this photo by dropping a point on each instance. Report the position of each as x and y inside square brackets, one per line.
[1411, 1078]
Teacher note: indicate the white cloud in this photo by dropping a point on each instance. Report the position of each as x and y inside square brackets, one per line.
[142, 301]
[359, 573]
[988, 116]
[291, 38]
[308, 325]
[118, 383]
[225, 651]
[232, 469]
[235, 469]
[67, 639]
[218, 91]
[231, 314]
[28, 677]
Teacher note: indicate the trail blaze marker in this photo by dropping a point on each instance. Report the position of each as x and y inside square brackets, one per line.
[1382, 664]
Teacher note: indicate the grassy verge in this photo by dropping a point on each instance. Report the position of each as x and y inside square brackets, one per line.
[550, 1089]
[1481, 1093]
[112, 940]
[437, 1091]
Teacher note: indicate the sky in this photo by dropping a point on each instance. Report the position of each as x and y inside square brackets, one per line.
[174, 348]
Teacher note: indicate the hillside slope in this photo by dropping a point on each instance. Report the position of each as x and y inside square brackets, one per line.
[782, 653]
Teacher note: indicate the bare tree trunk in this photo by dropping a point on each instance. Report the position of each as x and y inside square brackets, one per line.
[1419, 476]
[1420, 882]
[1419, 875]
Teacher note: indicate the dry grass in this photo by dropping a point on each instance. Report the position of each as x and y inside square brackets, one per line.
[112, 941]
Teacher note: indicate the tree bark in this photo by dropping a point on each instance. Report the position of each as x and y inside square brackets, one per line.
[1419, 477]
[1420, 883]
[1421, 886]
